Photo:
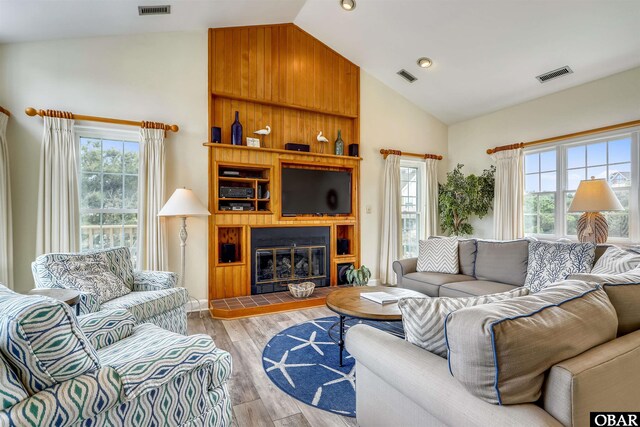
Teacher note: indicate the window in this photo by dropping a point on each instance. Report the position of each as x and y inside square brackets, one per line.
[411, 178]
[552, 176]
[108, 190]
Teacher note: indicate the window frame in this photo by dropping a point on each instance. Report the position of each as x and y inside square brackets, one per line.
[102, 134]
[561, 148]
[420, 198]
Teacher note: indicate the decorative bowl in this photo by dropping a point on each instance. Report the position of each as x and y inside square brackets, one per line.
[301, 290]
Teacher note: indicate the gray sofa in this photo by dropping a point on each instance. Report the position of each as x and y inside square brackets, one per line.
[486, 267]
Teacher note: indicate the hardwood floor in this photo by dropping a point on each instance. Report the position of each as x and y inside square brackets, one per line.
[256, 400]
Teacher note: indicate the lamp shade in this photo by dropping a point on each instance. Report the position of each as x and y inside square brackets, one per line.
[595, 195]
[183, 203]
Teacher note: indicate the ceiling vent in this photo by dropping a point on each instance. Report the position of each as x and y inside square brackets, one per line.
[154, 10]
[554, 74]
[407, 76]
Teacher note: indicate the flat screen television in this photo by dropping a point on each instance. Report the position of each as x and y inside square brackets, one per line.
[313, 191]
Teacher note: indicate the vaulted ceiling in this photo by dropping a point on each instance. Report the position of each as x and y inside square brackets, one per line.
[485, 54]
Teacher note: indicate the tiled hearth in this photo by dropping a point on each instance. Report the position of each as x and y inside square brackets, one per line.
[266, 303]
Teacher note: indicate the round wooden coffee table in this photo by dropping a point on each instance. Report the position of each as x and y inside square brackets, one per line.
[347, 303]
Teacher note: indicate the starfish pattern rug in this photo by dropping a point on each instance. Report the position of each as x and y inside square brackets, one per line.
[303, 361]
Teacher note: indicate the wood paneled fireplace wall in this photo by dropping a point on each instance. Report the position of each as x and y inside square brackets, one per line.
[276, 75]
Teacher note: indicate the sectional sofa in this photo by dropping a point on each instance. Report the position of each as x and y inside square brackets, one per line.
[402, 384]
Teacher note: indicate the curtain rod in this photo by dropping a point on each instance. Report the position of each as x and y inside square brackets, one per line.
[561, 137]
[30, 111]
[386, 152]
[4, 110]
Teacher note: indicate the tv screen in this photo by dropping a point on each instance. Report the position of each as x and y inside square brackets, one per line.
[312, 191]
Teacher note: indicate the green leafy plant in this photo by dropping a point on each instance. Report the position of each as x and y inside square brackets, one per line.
[462, 197]
[358, 276]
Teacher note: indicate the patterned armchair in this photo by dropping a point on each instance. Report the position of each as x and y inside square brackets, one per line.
[101, 369]
[153, 296]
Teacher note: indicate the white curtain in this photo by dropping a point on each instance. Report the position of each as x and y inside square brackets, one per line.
[58, 201]
[508, 205]
[431, 198]
[152, 245]
[391, 239]
[6, 230]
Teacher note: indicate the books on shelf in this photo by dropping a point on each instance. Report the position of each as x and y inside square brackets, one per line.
[380, 297]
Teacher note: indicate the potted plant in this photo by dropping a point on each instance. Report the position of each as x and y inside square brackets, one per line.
[358, 276]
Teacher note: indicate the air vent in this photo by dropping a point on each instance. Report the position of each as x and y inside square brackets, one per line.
[554, 74]
[407, 76]
[154, 10]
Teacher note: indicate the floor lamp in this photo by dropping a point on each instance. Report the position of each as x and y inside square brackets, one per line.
[183, 204]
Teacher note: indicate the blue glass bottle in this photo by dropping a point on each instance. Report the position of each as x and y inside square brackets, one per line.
[236, 131]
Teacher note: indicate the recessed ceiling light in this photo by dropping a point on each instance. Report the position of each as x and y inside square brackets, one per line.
[425, 62]
[348, 4]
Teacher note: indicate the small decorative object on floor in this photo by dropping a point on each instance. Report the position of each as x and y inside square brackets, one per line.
[358, 276]
[236, 131]
[323, 142]
[592, 197]
[216, 135]
[301, 290]
[339, 144]
[262, 132]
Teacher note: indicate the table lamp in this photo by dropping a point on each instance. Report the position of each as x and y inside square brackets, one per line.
[592, 197]
[183, 203]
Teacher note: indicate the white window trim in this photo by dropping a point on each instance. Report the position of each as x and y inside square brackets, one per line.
[116, 134]
[421, 193]
[634, 202]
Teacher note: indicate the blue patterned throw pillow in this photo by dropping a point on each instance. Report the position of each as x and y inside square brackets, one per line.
[550, 262]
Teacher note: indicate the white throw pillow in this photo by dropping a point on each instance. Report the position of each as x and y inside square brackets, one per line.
[616, 261]
[90, 276]
[438, 255]
[423, 319]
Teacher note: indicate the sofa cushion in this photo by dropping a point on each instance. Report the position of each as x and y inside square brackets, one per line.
[504, 262]
[467, 250]
[147, 304]
[90, 275]
[429, 283]
[551, 262]
[439, 255]
[12, 390]
[474, 288]
[41, 340]
[106, 326]
[501, 351]
[152, 356]
[423, 318]
[615, 261]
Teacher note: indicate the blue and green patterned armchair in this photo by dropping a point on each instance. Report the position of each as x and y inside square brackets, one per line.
[57, 369]
[153, 297]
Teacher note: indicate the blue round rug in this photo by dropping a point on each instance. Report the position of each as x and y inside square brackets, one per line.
[303, 361]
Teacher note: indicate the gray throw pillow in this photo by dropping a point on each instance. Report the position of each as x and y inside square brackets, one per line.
[500, 352]
[504, 262]
[615, 261]
[89, 276]
[438, 255]
[423, 318]
[551, 262]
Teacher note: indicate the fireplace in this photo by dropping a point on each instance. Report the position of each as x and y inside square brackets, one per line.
[283, 255]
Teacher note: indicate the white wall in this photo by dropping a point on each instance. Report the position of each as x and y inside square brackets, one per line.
[608, 101]
[157, 77]
[387, 120]
[163, 77]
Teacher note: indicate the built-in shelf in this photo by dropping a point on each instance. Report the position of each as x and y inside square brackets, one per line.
[277, 150]
[230, 235]
[251, 178]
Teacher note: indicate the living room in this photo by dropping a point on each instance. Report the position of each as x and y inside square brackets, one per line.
[178, 75]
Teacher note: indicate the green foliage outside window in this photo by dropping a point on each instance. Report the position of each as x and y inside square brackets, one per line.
[462, 197]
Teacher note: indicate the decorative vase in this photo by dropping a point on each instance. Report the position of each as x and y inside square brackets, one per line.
[236, 131]
[339, 144]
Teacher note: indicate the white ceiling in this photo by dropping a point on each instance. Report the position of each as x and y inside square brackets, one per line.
[486, 53]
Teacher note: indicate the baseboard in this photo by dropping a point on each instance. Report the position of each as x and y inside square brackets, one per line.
[195, 305]
[374, 282]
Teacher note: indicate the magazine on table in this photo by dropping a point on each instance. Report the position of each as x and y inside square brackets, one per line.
[380, 297]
